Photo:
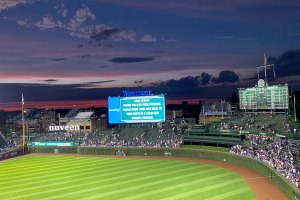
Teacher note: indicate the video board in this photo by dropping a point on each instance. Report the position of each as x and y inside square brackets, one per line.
[137, 109]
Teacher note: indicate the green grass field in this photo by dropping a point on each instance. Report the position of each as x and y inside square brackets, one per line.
[74, 177]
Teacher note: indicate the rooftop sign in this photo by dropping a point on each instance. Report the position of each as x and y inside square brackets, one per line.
[128, 93]
[64, 128]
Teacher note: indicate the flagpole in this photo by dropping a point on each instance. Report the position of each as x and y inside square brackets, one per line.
[23, 125]
[295, 108]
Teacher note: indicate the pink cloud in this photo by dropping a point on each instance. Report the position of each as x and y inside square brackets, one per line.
[7, 4]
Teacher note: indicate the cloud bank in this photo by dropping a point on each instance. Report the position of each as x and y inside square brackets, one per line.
[7, 4]
[131, 59]
[82, 24]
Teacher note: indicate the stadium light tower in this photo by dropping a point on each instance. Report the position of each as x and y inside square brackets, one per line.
[265, 68]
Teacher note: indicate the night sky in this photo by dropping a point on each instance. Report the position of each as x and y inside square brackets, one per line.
[86, 50]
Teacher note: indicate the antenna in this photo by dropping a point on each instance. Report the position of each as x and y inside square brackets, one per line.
[265, 68]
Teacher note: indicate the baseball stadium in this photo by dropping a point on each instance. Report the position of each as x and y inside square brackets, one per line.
[139, 148]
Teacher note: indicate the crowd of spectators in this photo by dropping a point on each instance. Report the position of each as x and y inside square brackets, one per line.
[128, 137]
[282, 154]
[8, 143]
[268, 123]
[134, 137]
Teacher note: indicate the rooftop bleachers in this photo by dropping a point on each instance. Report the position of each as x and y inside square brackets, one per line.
[19, 116]
[72, 113]
[215, 108]
[35, 114]
[84, 115]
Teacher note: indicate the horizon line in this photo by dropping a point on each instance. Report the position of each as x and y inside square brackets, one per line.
[69, 104]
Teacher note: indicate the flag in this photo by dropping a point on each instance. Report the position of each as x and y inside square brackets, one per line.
[265, 59]
[274, 74]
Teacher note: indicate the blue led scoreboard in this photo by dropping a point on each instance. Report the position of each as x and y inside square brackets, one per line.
[136, 109]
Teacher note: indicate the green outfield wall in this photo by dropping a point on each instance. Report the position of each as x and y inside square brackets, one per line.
[288, 188]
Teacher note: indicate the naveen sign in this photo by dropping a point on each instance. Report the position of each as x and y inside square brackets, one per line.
[128, 93]
[64, 128]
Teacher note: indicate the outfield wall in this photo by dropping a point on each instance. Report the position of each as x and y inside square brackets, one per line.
[288, 188]
[13, 153]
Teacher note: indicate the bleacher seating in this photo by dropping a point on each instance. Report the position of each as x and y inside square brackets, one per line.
[72, 113]
[84, 115]
[2, 141]
[132, 136]
[277, 123]
[8, 143]
[35, 114]
[282, 154]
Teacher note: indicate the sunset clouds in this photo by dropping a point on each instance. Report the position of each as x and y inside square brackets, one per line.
[92, 49]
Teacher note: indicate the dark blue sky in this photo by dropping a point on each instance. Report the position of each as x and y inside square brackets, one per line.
[88, 49]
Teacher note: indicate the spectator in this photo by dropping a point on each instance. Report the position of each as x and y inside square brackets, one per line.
[280, 153]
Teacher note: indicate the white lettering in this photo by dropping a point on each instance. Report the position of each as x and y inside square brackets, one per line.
[64, 128]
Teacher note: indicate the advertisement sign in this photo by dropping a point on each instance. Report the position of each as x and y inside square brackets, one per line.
[58, 144]
[64, 128]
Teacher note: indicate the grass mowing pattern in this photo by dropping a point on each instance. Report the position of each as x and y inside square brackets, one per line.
[85, 178]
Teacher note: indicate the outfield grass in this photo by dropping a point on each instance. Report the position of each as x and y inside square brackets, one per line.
[74, 177]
